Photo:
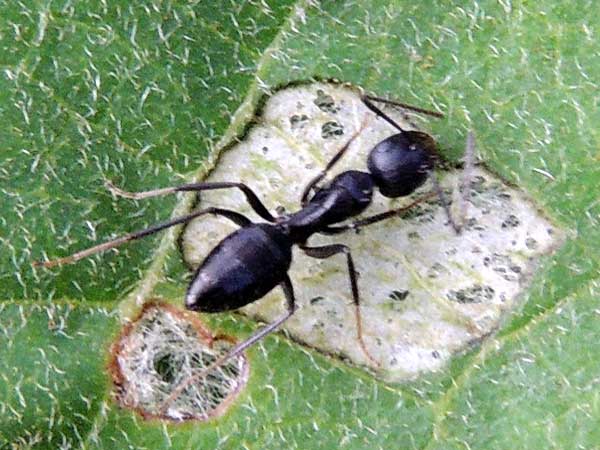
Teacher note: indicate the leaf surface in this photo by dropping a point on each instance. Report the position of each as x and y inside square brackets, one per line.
[143, 95]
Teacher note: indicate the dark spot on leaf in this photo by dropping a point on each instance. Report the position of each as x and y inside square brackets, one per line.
[315, 300]
[298, 121]
[473, 294]
[399, 295]
[472, 224]
[325, 102]
[330, 129]
[435, 270]
[478, 184]
[531, 243]
[413, 235]
[511, 221]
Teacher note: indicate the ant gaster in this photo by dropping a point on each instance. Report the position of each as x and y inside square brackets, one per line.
[253, 260]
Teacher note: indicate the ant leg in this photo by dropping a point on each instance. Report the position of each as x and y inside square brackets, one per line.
[338, 155]
[465, 183]
[327, 251]
[288, 290]
[235, 217]
[463, 189]
[445, 203]
[337, 229]
[258, 207]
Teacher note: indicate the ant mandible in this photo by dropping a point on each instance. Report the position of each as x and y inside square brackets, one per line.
[254, 259]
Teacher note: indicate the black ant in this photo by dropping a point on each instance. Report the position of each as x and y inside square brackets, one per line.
[253, 260]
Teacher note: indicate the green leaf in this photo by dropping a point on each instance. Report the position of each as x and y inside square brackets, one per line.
[145, 95]
[53, 370]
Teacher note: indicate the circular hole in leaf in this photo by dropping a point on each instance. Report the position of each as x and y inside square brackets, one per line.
[158, 363]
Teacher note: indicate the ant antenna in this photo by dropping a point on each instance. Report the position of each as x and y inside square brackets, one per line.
[416, 109]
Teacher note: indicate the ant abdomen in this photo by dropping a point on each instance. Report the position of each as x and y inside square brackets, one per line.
[401, 163]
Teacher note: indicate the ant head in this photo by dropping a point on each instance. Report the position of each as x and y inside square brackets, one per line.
[402, 162]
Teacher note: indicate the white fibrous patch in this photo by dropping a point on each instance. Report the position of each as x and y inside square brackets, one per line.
[426, 292]
[165, 351]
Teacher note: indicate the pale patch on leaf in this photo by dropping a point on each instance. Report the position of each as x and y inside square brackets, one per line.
[426, 292]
